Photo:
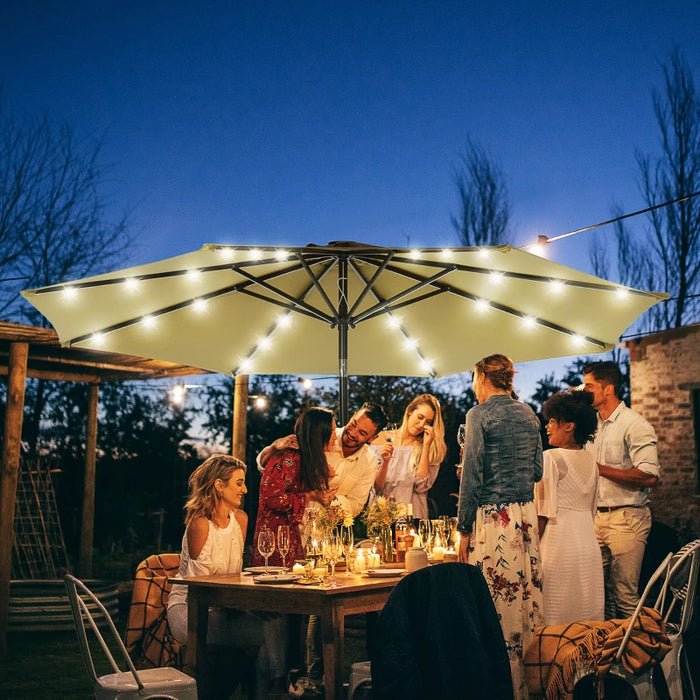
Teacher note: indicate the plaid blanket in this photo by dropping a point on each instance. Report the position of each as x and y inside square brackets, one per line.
[559, 654]
[148, 639]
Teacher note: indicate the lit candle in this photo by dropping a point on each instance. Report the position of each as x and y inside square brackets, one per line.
[458, 537]
[438, 553]
[360, 561]
[298, 569]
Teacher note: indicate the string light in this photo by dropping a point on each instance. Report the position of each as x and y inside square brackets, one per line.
[482, 306]
[148, 321]
[556, 286]
[227, 253]
[256, 253]
[199, 305]
[529, 322]
[496, 277]
[446, 254]
[281, 255]
[177, 394]
[622, 294]
[69, 293]
[131, 284]
[193, 275]
[414, 254]
[98, 339]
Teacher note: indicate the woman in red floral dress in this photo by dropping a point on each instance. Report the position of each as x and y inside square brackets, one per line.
[293, 476]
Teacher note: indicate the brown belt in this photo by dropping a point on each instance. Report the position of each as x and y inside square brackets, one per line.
[608, 509]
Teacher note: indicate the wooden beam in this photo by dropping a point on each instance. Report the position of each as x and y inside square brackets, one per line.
[8, 478]
[88, 520]
[240, 416]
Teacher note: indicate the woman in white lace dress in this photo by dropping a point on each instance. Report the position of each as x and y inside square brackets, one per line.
[215, 528]
[572, 566]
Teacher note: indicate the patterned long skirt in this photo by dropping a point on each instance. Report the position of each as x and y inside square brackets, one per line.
[504, 544]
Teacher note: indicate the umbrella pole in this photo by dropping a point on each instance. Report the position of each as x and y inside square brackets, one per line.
[343, 338]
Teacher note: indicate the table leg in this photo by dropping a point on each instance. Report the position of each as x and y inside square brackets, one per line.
[197, 625]
[333, 630]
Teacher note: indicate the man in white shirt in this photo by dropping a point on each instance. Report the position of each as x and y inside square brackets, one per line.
[352, 462]
[624, 448]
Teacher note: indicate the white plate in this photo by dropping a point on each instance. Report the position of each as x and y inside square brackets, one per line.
[262, 569]
[277, 578]
[384, 573]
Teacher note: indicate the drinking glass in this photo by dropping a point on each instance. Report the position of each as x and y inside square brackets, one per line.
[390, 431]
[283, 544]
[266, 544]
[332, 551]
[446, 530]
[347, 539]
[424, 532]
[461, 436]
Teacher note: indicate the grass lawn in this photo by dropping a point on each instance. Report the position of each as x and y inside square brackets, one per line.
[49, 665]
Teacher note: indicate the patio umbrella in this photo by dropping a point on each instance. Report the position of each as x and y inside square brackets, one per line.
[345, 308]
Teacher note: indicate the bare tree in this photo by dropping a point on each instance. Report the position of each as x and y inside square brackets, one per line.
[484, 202]
[667, 255]
[53, 224]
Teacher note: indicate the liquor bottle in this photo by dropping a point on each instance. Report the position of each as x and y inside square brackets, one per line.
[401, 530]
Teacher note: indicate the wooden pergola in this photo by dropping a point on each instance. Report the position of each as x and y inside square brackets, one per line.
[27, 351]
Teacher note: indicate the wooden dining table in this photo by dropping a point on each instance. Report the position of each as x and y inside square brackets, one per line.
[356, 594]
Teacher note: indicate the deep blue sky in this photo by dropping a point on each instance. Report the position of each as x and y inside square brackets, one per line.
[288, 123]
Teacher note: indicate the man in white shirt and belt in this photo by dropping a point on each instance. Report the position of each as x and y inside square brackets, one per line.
[625, 449]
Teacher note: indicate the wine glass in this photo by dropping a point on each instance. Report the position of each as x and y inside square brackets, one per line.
[347, 540]
[461, 436]
[390, 431]
[424, 532]
[283, 544]
[332, 551]
[266, 545]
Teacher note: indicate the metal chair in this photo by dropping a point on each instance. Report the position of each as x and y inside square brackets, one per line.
[678, 574]
[88, 611]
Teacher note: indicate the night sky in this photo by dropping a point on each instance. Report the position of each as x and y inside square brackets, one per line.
[291, 123]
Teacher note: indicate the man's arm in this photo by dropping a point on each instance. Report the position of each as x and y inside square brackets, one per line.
[628, 477]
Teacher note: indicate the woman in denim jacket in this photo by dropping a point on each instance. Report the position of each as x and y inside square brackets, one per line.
[497, 516]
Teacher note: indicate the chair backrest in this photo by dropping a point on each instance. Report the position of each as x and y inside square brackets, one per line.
[676, 600]
[455, 636]
[85, 607]
[148, 639]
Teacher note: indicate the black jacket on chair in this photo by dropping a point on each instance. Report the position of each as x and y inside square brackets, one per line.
[438, 636]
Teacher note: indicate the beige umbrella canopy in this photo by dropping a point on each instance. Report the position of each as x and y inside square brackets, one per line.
[345, 308]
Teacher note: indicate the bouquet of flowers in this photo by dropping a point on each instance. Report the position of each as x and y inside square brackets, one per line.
[382, 514]
[333, 516]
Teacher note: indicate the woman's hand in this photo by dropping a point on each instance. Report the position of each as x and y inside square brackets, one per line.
[386, 451]
[323, 497]
[286, 443]
[464, 548]
[428, 435]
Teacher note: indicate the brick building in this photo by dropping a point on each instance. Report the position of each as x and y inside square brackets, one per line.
[665, 389]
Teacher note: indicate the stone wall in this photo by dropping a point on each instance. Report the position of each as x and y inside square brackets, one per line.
[664, 372]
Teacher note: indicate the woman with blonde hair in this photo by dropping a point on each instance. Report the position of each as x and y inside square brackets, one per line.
[497, 515]
[411, 459]
[215, 528]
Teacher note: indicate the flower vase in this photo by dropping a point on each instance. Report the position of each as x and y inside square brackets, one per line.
[386, 539]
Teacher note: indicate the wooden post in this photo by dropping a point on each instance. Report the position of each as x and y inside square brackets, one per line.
[16, 378]
[88, 519]
[240, 416]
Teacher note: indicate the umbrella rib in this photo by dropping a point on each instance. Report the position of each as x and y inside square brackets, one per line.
[369, 284]
[316, 282]
[293, 305]
[457, 267]
[389, 304]
[296, 304]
